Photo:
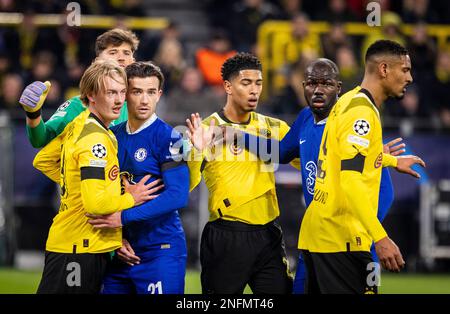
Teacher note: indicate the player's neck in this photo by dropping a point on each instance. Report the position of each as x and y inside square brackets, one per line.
[235, 115]
[135, 124]
[99, 117]
[375, 89]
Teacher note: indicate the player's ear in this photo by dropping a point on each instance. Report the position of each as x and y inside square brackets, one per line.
[339, 86]
[91, 98]
[160, 92]
[227, 87]
[382, 69]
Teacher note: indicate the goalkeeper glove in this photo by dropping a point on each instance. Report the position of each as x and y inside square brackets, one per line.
[33, 98]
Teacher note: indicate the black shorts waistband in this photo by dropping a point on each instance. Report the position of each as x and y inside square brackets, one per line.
[241, 226]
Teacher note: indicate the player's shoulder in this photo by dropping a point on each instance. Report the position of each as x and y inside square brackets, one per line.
[119, 128]
[160, 134]
[91, 129]
[268, 120]
[214, 116]
[72, 104]
[360, 99]
[305, 114]
[165, 130]
[68, 110]
[358, 104]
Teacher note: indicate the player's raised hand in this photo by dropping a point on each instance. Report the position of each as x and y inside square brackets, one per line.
[126, 254]
[33, 96]
[396, 150]
[389, 254]
[199, 136]
[404, 164]
[141, 191]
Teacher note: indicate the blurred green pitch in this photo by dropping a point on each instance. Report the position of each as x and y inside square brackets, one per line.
[16, 281]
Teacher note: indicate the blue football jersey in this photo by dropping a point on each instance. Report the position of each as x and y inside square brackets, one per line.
[310, 137]
[150, 150]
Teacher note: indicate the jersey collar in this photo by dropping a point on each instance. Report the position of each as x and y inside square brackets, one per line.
[146, 124]
[224, 118]
[368, 94]
[91, 115]
[323, 121]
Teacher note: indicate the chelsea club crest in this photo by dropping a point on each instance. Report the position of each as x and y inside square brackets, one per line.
[140, 154]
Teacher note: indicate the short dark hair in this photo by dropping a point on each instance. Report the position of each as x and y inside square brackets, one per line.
[240, 61]
[385, 47]
[145, 69]
[116, 37]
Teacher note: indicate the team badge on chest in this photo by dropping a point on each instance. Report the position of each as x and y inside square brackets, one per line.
[140, 155]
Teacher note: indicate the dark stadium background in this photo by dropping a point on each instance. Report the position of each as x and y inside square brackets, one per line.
[180, 36]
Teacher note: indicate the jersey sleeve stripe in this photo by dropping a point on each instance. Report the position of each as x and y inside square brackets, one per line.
[172, 164]
[354, 164]
[92, 173]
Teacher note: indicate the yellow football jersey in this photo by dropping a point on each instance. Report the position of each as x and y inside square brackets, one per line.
[241, 187]
[90, 183]
[343, 214]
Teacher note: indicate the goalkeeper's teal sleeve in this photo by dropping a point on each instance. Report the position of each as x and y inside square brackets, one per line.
[40, 135]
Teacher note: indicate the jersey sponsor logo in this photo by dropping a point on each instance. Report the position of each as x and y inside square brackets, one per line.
[140, 155]
[113, 173]
[97, 163]
[64, 106]
[361, 127]
[311, 179]
[302, 141]
[99, 151]
[321, 196]
[379, 161]
[358, 140]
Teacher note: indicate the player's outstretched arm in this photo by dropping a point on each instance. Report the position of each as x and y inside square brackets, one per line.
[141, 192]
[32, 100]
[174, 197]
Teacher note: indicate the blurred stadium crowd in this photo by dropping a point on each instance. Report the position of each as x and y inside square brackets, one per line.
[60, 54]
[191, 65]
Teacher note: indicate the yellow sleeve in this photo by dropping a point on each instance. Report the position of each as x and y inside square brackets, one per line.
[48, 159]
[194, 163]
[99, 194]
[354, 148]
[389, 160]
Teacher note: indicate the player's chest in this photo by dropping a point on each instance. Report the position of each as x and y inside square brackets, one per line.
[138, 156]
